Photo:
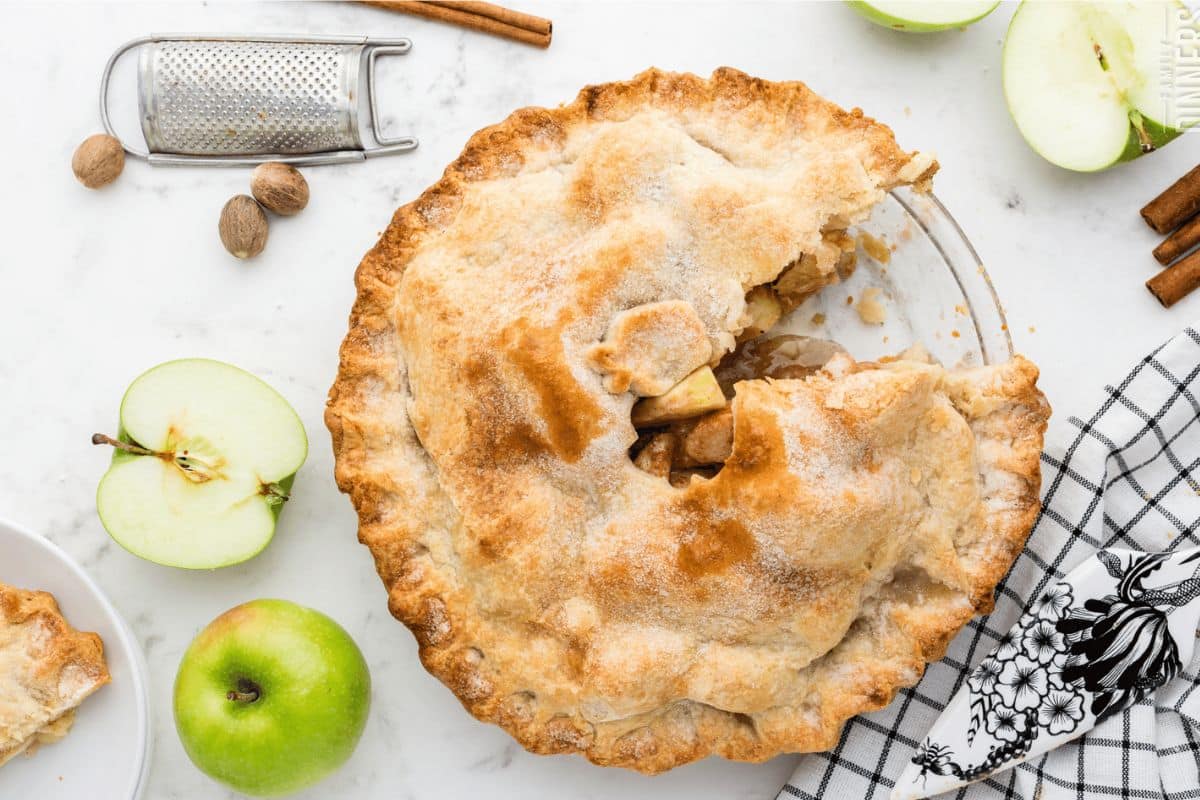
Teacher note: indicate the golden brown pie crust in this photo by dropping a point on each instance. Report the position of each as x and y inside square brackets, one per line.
[865, 514]
[47, 669]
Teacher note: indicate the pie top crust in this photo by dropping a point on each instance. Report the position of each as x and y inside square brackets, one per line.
[481, 424]
[47, 668]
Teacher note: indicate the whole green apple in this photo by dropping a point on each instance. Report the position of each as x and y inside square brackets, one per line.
[271, 697]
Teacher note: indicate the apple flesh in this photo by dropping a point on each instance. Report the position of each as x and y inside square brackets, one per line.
[924, 16]
[271, 697]
[205, 457]
[696, 394]
[1082, 80]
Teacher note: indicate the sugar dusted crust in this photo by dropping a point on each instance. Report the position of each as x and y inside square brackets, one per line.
[865, 514]
[47, 668]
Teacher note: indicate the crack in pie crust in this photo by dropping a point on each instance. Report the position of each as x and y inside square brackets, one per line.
[47, 668]
[506, 321]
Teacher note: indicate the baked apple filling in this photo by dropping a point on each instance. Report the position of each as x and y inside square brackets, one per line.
[834, 259]
[688, 430]
[696, 446]
[661, 353]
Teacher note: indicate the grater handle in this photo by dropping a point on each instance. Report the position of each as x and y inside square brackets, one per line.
[386, 144]
[104, 81]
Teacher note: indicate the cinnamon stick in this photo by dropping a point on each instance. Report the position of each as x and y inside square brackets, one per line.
[1180, 201]
[1183, 239]
[1176, 281]
[508, 16]
[484, 17]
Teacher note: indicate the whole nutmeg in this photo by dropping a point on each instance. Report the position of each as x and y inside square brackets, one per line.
[279, 188]
[98, 160]
[243, 227]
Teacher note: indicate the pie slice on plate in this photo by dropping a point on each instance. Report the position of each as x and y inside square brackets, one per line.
[606, 536]
[47, 668]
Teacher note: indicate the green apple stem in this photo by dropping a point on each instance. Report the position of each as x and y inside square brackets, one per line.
[195, 457]
[1139, 125]
[100, 438]
[246, 692]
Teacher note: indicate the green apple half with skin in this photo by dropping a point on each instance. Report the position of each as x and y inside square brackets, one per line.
[924, 16]
[1082, 80]
[271, 697]
[205, 457]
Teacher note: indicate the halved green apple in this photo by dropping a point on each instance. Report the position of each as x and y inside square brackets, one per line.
[924, 16]
[204, 459]
[1082, 80]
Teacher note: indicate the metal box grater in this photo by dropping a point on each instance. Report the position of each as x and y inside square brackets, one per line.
[234, 100]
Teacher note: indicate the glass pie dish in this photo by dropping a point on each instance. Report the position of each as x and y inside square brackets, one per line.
[932, 288]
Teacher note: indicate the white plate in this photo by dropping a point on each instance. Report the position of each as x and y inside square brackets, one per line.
[107, 753]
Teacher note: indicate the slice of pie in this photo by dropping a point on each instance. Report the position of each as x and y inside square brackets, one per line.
[619, 515]
[47, 668]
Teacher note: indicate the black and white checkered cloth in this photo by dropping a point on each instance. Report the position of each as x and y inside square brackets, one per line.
[1126, 476]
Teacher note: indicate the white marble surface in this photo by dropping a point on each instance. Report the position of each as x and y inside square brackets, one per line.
[97, 286]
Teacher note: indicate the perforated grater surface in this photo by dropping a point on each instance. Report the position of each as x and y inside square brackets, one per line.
[234, 100]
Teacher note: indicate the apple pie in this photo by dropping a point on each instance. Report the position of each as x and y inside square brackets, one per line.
[621, 515]
[47, 668]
